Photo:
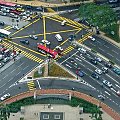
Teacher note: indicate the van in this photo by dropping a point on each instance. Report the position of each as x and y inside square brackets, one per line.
[58, 37]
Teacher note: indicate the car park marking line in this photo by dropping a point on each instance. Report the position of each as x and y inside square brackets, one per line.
[101, 49]
[25, 27]
[60, 22]
[28, 55]
[89, 69]
[112, 79]
[107, 93]
[39, 84]
[117, 59]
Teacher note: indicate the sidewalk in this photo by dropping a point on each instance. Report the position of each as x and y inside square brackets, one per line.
[90, 99]
[45, 4]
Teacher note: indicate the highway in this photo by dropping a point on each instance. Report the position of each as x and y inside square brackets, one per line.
[15, 72]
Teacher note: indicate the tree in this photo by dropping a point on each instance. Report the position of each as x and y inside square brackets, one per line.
[4, 112]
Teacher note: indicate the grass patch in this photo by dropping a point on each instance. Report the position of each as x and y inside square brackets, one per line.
[57, 71]
[37, 75]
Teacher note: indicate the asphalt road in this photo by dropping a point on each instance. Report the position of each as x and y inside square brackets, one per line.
[63, 84]
[14, 72]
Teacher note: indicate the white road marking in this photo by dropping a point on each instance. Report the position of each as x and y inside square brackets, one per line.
[112, 79]
[68, 58]
[106, 46]
[113, 90]
[78, 59]
[107, 93]
[115, 52]
[101, 49]
[18, 73]
[89, 69]
[25, 67]
[38, 84]
[117, 85]
[117, 59]
[68, 65]
[110, 55]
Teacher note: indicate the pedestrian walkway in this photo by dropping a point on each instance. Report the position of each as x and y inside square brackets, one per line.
[90, 99]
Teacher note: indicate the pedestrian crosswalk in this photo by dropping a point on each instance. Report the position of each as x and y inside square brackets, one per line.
[31, 85]
[26, 54]
[8, 28]
[50, 10]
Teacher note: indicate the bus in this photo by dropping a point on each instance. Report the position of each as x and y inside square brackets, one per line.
[4, 33]
[7, 4]
[45, 50]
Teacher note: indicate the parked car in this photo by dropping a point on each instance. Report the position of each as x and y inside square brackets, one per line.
[107, 83]
[15, 12]
[24, 42]
[93, 61]
[71, 37]
[5, 96]
[108, 65]
[98, 71]
[59, 48]
[105, 69]
[116, 70]
[80, 73]
[33, 37]
[94, 75]
[20, 9]
[2, 23]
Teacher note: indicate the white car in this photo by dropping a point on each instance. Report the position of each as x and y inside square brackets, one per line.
[15, 27]
[5, 96]
[98, 71]
[101, 97]
[46, 42]
[98, 59]
[63, 22]
[107, 83]
[92, 38]
[59, 48]
[118, 92]
[105, 70]
[33, 37]
[82, 50]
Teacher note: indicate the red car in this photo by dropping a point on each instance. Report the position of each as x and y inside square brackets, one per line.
[15, 12]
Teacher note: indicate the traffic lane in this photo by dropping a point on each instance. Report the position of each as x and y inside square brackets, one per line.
[110, 76]
[15, 72]
[33, 27]
[55, 25]
[110, 73]
[71, 15]
[88, 70]
[61, 84]
[104, 47]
